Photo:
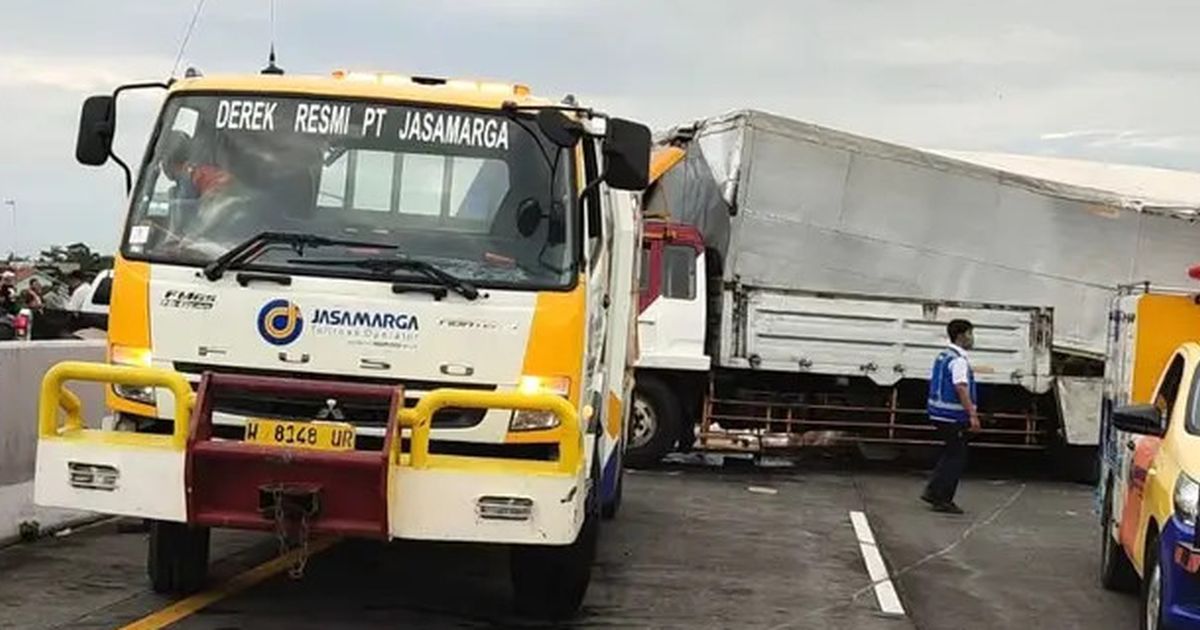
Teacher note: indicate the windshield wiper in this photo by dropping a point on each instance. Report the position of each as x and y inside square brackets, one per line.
[254, 246]
[392, 265]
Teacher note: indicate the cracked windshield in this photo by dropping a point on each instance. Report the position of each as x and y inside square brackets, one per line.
[443, 186]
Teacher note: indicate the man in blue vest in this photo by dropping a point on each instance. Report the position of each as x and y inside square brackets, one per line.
[951, 408]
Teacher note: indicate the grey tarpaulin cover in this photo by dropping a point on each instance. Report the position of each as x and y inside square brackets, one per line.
[789, 204]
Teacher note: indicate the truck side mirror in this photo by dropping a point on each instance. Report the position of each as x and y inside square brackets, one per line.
[97, 122]
[627, 155]
[1140, 419]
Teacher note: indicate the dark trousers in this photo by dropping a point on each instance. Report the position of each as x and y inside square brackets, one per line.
[944, 481]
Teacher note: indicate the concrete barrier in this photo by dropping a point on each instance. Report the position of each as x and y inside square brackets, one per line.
[22, 364]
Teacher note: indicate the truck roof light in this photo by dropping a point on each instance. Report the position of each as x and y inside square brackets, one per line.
[1194, 272]
[393, 79]
[387, 78]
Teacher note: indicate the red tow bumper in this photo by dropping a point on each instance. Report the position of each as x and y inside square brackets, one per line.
[226, 479]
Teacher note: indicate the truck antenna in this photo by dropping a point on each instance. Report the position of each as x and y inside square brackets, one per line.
[187, 36]
[271, 67]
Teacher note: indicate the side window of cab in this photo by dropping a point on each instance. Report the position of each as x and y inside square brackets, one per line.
[1168, 388]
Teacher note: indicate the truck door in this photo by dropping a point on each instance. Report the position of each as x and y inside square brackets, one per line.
[671, 323]
[598, 247]
[1137, 455]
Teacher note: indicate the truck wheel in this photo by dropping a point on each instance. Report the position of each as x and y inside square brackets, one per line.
[549, 582]
[177, 561]
[1080, 464]
[654, 423]
[1152, 589]
[1116, 573]
[610, 507]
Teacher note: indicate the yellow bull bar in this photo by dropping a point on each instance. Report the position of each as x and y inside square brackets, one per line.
[55, 396]
[419, 418]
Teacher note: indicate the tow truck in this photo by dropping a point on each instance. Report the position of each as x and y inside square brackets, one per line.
[366, 305]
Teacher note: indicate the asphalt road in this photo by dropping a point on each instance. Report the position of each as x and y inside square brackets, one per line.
[1026, 555]
[691, 548]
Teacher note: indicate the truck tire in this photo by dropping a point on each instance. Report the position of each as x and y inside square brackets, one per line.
[654, 422]
[610, 507]
[1079, 464]
[1116, 572]
[177, 561]
[1153, 598]
[549, 582]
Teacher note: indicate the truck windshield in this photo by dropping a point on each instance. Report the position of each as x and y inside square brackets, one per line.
[442, 185]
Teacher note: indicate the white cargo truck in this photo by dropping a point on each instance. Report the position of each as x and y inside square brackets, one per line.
[735, 367]
[797, 282]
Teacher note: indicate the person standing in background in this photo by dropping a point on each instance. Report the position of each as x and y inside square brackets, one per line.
[31, 297]
[8, 293]
[952, 410]
[77, 285]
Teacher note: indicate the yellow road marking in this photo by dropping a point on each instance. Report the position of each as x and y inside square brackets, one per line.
[190, 605]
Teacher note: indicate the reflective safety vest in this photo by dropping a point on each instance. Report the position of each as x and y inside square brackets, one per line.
[943, 404]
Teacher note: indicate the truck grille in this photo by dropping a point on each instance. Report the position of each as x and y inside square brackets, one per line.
[364, 413]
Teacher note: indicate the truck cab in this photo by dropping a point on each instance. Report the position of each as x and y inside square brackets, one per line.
[673, 361]
[364, 304]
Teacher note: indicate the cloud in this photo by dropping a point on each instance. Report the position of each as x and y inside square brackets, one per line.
[1018, 45]
[510, 8]
[1078, 133]
[77, 73]
[1124, 139]
[1024, 76]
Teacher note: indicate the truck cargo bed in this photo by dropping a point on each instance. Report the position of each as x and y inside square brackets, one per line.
[885, 339]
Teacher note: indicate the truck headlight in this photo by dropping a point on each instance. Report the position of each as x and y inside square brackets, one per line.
[1187, 496]
[137, 357]
[525, 420]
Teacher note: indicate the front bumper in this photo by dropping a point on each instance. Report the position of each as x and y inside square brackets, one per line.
[396, 492]
[1181, 575]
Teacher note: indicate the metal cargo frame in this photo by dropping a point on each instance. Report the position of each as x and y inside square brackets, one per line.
[768, 424]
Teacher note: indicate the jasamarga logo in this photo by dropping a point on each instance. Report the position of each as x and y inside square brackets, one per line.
[394, 330]
[365, 319]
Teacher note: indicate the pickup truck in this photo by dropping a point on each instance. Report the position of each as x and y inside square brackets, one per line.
[59, 323]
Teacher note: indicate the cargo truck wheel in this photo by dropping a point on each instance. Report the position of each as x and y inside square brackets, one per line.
[177, 561]
[1116, 573]
[654, 422]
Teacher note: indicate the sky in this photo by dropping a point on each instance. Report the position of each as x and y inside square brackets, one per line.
[1094, 79]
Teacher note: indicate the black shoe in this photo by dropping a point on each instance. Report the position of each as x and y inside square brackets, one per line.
[947, 507]
[926, 497]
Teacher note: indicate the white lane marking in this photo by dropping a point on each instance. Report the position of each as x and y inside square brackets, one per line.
[885, 591]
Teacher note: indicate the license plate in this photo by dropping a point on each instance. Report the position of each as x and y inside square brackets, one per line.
[320, 435]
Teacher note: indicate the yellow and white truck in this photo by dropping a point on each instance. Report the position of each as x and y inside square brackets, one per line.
[363, 305]
[1150, 444]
